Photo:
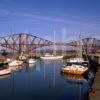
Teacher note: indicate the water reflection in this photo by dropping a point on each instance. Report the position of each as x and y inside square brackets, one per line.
[4, 76]
[81, 84]
[44, 81]
[71, 78]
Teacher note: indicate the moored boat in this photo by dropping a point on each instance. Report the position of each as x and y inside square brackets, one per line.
[74, 69]
[5, 71]
[77, 65]
[31, 61]
[76, 60]
[54, 55]
[52, 58]
[15, 63]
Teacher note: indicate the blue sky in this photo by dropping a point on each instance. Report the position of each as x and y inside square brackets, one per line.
[68, 18]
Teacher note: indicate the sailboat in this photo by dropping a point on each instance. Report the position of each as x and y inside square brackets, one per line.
[79, 58]
[53, 56]
[76, 65]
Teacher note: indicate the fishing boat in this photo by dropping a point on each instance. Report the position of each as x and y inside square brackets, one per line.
[15, 63]
[74, 69]
[5, 71]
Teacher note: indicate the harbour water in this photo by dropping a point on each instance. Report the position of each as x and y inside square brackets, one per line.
[42, 81]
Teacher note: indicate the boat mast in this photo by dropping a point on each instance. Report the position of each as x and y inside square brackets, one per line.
[54, 48]
[79, 43]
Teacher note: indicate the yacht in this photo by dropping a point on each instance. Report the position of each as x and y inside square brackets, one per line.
[53, 56]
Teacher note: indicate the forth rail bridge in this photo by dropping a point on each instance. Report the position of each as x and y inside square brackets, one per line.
[27, 43]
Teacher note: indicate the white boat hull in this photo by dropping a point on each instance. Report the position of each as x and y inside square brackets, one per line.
[52, 58]
[15, 63]
[31, 61]
[5, 71]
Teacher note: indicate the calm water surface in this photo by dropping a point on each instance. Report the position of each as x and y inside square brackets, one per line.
[42, 81]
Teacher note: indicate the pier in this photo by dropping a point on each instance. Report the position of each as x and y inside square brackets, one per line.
[95, 94]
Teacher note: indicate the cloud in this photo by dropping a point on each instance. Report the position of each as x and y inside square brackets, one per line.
[59, 20]
[55, 19]
[46, 18]
[71, 21]
[34, 16]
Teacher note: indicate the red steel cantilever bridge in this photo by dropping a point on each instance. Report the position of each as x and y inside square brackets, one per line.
[23, 42]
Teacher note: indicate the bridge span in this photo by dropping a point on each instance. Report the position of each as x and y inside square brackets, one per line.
[24, 42]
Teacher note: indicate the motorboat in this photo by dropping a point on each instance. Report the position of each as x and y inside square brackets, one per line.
[5, 71]
[15, 63]
[74, 69]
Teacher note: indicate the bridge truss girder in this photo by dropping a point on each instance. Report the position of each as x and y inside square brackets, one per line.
[23, 42]
[27, 43]
[89, 45]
